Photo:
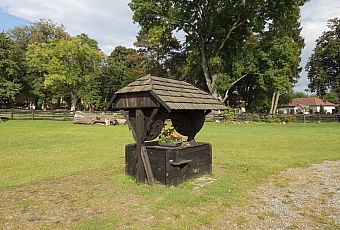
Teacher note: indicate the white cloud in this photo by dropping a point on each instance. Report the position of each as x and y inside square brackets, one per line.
[107, 21]
[314, 17]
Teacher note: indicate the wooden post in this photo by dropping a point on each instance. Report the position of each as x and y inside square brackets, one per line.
[140, 172]
[147, 166]
[32, 114]
[53, 114]
[139, 136]
[12, 113]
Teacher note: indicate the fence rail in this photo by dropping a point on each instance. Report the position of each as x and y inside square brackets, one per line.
[25, 114]
[213, 117]
[318, 118]
[65, 115]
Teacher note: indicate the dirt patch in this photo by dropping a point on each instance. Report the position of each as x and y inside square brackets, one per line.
[299, 198]
[65, 201]
[202, 182]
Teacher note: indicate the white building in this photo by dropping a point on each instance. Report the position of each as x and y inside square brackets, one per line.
[307, 105]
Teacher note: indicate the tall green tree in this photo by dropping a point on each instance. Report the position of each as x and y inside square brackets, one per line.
[323, 66]
[39, 32]
[9, 81]
[286, 45]
[69, 68]
[224, 39]
[122, 66]
[210, 28]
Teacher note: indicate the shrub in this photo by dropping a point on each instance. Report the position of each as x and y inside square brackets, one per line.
[254, 117]
[289, 119]
[229, 114]
[272, 119]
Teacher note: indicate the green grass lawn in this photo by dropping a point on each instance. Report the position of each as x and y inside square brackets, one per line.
[87, 163]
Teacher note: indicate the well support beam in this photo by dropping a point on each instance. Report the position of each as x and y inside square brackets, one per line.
[140, 172]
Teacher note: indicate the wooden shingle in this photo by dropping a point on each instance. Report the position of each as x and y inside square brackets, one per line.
[172, 94]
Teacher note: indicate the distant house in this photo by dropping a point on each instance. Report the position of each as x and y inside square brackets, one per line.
[308, 105]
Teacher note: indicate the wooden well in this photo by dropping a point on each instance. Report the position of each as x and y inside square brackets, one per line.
[173, 165]
[147, 102]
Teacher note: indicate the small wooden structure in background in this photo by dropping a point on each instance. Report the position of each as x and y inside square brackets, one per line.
[147, 102]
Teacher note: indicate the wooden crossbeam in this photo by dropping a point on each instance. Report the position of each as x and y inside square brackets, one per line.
[143, 165]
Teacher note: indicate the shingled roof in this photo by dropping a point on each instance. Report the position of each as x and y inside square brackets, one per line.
[174, 94]
[309, 101]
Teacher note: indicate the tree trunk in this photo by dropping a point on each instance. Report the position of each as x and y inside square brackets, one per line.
[232, 84]
[43, 105]
[73, 102]
[273, 102]
[211, 78]
[205, 68]
[276, 102]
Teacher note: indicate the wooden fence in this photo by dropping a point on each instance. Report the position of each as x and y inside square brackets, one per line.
[318, 117]
[25, 114]
[65, 115]
[245, 117]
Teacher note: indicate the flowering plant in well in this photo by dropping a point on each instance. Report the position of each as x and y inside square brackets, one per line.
[168, 135]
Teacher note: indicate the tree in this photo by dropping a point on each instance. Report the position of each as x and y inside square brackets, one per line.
[69, 69]
[332, 97]
[123, 66]
[85, 39]
[298, 95]
[282, 58]
[9, 82]
[223, 39]
[269, 66]
[38, 58]
[324, 65]
[42, 31]
[210, 27]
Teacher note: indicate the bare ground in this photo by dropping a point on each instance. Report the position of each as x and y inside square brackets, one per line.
[64, 202]
[299, 198]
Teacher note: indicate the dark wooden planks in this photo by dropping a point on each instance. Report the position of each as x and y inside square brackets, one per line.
[173, 165]
[134, 101]
[140, 172]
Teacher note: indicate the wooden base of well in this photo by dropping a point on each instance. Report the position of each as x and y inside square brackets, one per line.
[172, 165]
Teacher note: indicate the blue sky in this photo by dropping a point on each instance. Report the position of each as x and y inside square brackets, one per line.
[110, 21]
[8, 21]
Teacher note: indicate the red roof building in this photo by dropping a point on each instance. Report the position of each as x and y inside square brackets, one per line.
[309, 101]
[308, 105]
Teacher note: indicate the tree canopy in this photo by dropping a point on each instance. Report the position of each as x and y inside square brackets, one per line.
[48, 67]
[224, 43]
[69, 69]
[9, 82]
[324, 65]
[122, 66]
[237, 50]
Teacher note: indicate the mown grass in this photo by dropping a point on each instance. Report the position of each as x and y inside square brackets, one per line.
[244, 155]
[36, 150]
